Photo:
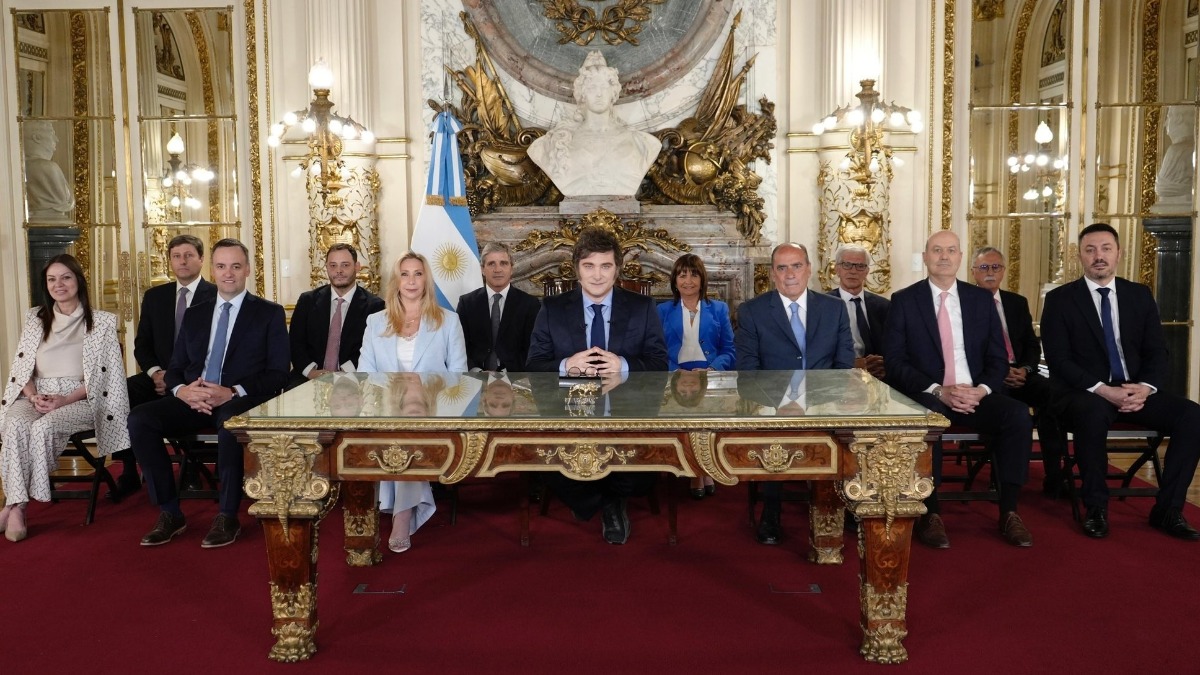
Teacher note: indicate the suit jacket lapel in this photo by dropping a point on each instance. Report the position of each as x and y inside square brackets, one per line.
[780, 315]
[241, 325]
[617, 320]
[577, 338]
[673, 326]
[1083, 298]
[928, 311]
[321, 307]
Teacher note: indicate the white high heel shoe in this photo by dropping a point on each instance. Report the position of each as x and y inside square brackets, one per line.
[400, 541]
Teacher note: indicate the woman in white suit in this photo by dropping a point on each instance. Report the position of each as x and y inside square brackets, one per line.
[412, 334]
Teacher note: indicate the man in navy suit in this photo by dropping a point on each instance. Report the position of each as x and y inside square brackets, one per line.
[1103, 337]
[790, 329]
[231, 355]
[1024, 352]
[867, 311]
[312, 352]
[944, 349]
[163, 307]
[497, 319]
[598, 328]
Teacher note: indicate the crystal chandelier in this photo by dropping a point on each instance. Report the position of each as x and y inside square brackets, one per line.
[1046, 167]
[866, 122]
[178, 179]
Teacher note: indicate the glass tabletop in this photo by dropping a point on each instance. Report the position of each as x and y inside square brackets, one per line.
[683, 396]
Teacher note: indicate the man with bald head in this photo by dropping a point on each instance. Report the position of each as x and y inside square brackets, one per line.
[944, 348]
[790, 329]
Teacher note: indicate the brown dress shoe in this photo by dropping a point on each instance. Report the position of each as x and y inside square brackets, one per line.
[1014, 531]
[931, 532]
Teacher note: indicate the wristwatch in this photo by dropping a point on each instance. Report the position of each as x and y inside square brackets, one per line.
[937, 392]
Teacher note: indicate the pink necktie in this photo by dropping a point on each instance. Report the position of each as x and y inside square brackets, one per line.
[334, 342]
[943, 319]
[1007, 342]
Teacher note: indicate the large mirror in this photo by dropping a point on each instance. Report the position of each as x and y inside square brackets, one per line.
[1021, 136]
[187, 128]
[66, 125]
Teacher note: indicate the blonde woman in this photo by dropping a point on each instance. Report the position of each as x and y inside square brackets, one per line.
[414, 335]
[67, 376]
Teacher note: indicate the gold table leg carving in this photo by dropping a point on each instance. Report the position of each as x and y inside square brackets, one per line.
[826, 520]
[886, 496]
[290, 497]
[361, 512]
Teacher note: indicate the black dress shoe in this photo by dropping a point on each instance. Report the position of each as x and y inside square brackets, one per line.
[696, 493]
[769, 532]
[165, 529]
[615, 522]
[225, 530]
[1172, 522]
[1095, 524]
[710, 490]
[127, 483]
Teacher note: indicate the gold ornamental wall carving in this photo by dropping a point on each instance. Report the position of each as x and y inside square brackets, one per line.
[616, 24]
[353, 220]
[855, 213]
[705, 159]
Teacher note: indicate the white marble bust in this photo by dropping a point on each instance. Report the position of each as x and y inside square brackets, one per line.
[1173, 186]
[48, 195]
[592, 152]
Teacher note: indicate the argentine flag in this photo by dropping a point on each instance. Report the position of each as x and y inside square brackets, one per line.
[444, 234]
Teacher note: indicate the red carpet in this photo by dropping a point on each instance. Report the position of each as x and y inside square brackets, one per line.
[89, 599]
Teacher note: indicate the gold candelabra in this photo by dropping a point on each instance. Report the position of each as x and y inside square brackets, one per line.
[866, 122]
[326, 131]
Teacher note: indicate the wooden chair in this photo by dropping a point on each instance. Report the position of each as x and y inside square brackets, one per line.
[77, 449]
[195, 453]
[969, 450]
[1121, 438]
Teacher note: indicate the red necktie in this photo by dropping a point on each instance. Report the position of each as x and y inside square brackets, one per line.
[1004, 331]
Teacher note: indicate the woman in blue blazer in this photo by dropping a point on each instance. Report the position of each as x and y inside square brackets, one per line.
[414, 335]
[697, 330]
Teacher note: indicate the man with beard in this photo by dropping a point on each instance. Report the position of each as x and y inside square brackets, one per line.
[1103, 336]
[329, 321]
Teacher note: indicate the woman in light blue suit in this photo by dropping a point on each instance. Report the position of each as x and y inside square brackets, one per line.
[697, 330]
[412, 334]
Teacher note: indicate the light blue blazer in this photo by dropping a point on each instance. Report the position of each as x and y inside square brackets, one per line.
[716, 333]
[439, 350]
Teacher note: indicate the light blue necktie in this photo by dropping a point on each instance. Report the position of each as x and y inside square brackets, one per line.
[798, 331]
[217, 355]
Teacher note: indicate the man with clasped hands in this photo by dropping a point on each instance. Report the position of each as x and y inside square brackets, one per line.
[598, 329]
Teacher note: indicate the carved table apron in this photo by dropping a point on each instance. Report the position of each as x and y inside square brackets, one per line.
[297, 467]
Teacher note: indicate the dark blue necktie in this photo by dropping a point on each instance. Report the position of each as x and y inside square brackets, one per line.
[1110, 337]
[864, 331]
[217, 355]
[598, 326]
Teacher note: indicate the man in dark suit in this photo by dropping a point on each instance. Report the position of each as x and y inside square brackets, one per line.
[314, 353]
[1103, 337]
[867, 311]
[944, 349]
[792, 329]
[231, 355]
[599, 329]
[497, 319]
[163, 307]
[1024, 352]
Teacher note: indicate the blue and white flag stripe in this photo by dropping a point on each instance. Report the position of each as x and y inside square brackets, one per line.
[443, 232]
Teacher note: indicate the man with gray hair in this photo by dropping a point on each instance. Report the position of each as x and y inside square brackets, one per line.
[1024, 352]
[497, 319]
[866, 310]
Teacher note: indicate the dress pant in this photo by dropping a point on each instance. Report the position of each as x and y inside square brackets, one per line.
[141, 390]
[1005, 420]
[1090, 416]
[170, 416]
[1050, 399]
[586, 497]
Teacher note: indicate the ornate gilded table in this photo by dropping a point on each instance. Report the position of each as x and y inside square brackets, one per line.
[865, 445]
